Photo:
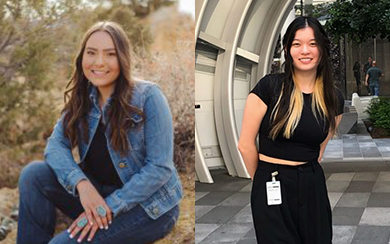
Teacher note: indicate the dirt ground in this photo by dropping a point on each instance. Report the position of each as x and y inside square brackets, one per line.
[376, 133]
[183, 232]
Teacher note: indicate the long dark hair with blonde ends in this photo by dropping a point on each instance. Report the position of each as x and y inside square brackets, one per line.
[77, 100]
[289, 106]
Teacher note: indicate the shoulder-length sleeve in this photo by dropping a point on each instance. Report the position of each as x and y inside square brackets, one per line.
[262, 89]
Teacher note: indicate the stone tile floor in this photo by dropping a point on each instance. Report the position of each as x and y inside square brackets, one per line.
[360, 203]
[357, 147]
[357, 168]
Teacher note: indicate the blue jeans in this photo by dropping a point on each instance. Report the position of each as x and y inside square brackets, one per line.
[374, 89]
[40, 194]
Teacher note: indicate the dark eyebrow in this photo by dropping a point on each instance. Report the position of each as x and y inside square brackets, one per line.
[105, 50]
[300, 40]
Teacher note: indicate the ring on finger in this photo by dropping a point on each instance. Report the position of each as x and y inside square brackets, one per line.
[82, 222]
[101, 211]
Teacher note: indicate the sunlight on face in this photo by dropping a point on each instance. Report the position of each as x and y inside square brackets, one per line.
[100, 62]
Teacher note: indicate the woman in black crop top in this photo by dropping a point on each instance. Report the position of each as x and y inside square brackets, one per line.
[295, 114]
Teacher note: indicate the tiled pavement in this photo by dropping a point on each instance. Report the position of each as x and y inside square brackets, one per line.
[360, 203]
[357, 147]
[357, 169]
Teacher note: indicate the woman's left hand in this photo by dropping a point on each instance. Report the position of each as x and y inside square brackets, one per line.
[85, 228]
[92, 203]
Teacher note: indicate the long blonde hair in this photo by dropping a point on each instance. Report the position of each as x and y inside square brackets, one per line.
[288, 109]
[290, 121]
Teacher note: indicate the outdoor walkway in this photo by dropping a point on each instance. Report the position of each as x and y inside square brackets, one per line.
[357, 170]
[360, 203]
[357, 147]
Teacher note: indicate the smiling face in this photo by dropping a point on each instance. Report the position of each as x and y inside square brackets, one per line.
[304, 51]
[100, 62]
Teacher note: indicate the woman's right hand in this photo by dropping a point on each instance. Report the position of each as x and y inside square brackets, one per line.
[254, 113]
[90, 199]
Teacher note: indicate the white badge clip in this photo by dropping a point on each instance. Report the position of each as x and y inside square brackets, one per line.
[274, 195]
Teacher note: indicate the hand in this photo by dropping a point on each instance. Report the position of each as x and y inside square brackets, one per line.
[366, 84]
[90, 227]
[319, 159]
[90, 199]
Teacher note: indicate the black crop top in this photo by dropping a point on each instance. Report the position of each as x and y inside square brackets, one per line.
[304, 145]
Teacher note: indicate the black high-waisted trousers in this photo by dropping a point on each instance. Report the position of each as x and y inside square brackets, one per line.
[304, 217]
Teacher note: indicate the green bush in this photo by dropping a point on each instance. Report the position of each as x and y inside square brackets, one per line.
[379, 112]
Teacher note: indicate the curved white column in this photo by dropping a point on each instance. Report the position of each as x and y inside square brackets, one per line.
[200, 7]
[245, 28]
[201, 169]
[223, 92]
[266, 46]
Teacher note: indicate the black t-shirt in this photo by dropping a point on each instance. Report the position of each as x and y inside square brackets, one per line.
[366, 67]
[304, 144]
[98, 161]
[356, 69]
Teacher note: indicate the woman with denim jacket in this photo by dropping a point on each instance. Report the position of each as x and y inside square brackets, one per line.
[125, 188]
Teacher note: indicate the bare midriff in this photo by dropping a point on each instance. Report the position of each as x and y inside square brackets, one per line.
[268, 159]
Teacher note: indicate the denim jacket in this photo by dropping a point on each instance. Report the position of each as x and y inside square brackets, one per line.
[147, 170]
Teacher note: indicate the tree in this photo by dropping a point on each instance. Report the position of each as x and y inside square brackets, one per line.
[137, 30]
[319, 11]
[30, 33]
[360, 19]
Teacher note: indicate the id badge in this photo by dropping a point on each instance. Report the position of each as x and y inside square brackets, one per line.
[274, 195]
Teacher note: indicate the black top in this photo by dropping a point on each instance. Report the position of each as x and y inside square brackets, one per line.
[366, 67]
[304, 144]
[98, 162]
[356, 69]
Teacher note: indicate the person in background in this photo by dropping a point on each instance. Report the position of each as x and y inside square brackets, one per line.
[372, 78]
[295, 114]
[356, 74]
[365, 69]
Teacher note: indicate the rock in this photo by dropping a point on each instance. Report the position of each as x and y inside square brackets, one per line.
[6, 227]
[15, 212]
[9, 198]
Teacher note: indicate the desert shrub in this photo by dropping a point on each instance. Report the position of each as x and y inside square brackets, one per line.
[379, 112]
[171, 65]
[172, 74]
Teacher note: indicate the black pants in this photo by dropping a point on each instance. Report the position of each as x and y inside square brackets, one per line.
[357, 77]
[304, 217]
